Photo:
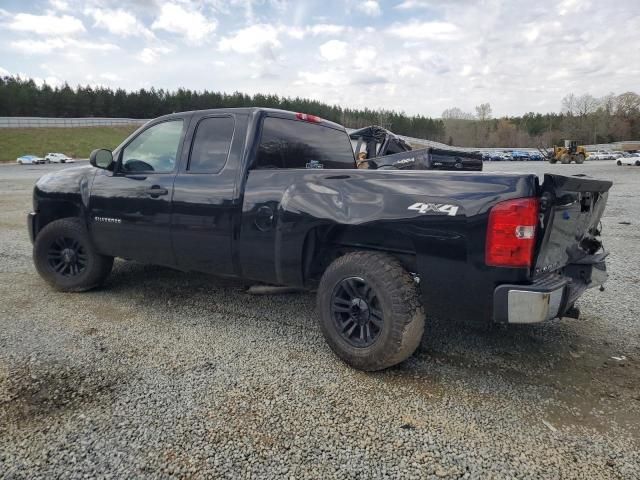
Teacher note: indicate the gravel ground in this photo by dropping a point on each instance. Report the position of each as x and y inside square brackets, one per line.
[169, 375]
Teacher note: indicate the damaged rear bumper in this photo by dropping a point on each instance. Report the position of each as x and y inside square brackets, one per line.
[550, 296]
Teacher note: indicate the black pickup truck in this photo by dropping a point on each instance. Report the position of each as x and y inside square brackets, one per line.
[274, 196]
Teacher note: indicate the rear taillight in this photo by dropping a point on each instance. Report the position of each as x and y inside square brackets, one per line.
[308, 118]
[511, 233]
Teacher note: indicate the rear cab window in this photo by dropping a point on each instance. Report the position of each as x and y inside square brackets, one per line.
[211, 145]
[286, 143]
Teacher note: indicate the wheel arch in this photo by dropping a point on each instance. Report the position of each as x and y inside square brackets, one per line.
[55, 210]
[323, 244]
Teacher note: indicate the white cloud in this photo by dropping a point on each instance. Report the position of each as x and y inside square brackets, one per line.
[416, 30]
[411, 4]
[334, 50]
[466, 70]
[314, 30]
[327, 78]
[409, 71]
[572, 6]
[365, 58]
[149, 55]
[293, 32]
[50, 25]
[119, 22]
[532, 33]
[256, 38]
[111, 77]
[52, 81]
[370, 7]
[61, 5]
[191, 24]
[52, 44]
[326, 29]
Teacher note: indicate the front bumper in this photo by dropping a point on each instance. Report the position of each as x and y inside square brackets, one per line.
[32, 225]
[548, 297]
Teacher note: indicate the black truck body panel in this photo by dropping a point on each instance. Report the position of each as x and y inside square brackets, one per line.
[276, 225]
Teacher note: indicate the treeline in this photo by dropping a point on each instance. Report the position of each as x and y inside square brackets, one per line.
[584, 118]
[21, 97]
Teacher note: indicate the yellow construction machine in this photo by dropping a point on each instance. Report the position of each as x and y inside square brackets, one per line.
[570, 152]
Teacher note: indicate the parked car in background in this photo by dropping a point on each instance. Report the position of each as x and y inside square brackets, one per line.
[496, 157]
[536, 157]
[631, 160]
[58, 158]
[519, 155]
[601, 155]
[594, 156]
[29, 160]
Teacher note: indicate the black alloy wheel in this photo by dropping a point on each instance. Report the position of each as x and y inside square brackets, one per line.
[370, 310]
[356, 312]
[67, 257]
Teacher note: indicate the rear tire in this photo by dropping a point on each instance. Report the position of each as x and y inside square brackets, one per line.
[579, 158]
[370, 310]
[619, 163]
[637, 163]
[65, 257]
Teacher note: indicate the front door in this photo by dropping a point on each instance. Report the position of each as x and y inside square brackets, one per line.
[130, 208]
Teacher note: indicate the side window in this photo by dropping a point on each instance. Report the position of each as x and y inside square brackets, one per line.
[155, 149]
[297, 144]
[211, 145]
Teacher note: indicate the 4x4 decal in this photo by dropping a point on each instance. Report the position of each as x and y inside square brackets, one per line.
[450, 210]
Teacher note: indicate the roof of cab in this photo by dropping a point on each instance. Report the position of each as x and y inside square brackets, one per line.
[250, 110]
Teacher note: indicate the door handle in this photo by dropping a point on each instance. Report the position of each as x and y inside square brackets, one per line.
[156, 190]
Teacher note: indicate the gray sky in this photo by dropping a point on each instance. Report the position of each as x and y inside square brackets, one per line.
[417, 56]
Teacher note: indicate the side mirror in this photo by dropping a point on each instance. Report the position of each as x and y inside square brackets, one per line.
[101, 158]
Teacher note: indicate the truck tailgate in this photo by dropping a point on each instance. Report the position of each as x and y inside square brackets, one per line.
[570, 212]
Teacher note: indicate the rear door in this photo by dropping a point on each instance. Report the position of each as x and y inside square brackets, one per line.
[287, 149]
[206, 205]
[130, 209]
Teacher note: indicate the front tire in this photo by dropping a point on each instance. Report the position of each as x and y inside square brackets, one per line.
[65, 257]
[619, 163]
[370, 311]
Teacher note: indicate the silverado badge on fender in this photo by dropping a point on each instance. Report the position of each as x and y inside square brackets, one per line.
[107, 219]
